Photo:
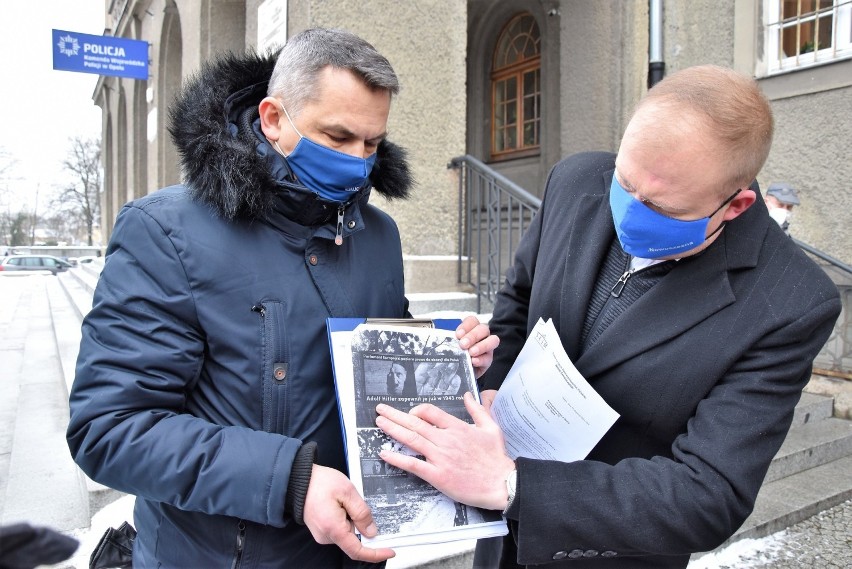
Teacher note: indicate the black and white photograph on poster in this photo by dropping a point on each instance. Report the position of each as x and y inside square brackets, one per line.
[404, 369]
[402, 503]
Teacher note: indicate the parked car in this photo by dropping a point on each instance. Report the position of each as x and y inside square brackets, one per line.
[33, 263]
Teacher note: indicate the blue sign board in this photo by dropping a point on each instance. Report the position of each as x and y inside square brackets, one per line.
[104, 55]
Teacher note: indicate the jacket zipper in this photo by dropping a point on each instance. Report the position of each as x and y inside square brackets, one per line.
[275, 367]
[621, 283]
[338, 238]
[241, 536]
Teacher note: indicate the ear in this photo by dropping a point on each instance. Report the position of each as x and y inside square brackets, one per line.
[739, 204]
[270, 117]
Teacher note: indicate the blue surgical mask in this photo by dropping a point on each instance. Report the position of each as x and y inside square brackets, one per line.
[648, 234]
[333, 175]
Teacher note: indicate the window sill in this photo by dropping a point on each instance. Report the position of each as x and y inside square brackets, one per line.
[532, 152]
[807, 80]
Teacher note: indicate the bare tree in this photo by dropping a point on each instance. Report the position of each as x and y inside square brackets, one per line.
[63, 225]
[6, 164]
[81, 197]
[7, 219]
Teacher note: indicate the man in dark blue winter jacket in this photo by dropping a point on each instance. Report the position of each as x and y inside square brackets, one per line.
[204, 384]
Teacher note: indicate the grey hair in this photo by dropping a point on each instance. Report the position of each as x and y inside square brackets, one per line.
[294, 79]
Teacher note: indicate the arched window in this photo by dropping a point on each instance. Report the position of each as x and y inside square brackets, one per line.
[516, 90]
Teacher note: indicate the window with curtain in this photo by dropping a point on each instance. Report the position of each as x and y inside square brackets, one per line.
[802, 33]
[516, 90]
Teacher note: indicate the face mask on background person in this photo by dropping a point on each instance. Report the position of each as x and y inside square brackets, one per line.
[648, 234]
[780, 215]
[333, 175]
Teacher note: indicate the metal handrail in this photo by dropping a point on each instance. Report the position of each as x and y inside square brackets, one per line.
[824, 256]
[493, 215]
[833, 360]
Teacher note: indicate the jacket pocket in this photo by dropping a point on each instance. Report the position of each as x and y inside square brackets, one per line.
[276, 360]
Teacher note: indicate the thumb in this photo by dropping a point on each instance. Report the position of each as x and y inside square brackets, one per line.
[477, 412]
[359, 512]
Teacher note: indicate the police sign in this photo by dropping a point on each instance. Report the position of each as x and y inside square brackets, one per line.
[104, 55]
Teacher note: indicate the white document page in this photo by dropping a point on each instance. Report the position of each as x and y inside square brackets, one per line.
[546, 409]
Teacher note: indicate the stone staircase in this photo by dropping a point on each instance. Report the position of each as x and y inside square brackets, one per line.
[39, 483]
[811, 473]
[78, 285]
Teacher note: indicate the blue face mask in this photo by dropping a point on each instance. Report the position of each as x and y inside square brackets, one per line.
[645, 233]
[333, 175]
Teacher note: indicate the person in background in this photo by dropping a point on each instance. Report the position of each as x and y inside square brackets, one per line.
[684, 307]
[780, 199]
[204, 383]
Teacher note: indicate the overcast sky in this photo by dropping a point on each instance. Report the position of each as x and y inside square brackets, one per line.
[40, 109]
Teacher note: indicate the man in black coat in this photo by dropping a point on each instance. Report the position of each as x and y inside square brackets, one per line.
[685, 307]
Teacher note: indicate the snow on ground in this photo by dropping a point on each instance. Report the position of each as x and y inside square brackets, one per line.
[743, 554]
[111, 515]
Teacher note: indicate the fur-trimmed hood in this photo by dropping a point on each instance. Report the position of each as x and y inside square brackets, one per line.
[222, 161]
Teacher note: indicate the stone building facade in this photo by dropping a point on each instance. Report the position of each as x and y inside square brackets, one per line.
[567, 72]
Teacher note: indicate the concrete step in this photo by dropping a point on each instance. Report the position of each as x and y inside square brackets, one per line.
[432, 273]
[70, 301]
[812, 407]
[788, 501]
[87, 275]
[809, 445]
[79, 287]
[93, 269]
[65, 319]
[425, 302]
[13, 327]
[839, 389]
[44, 486]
